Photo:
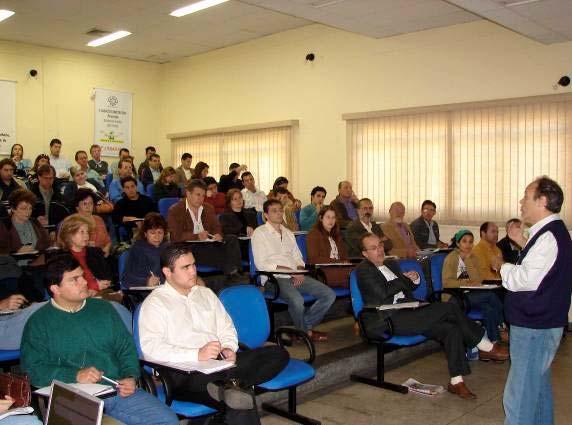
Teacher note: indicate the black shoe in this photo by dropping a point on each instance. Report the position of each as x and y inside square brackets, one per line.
[232, 395]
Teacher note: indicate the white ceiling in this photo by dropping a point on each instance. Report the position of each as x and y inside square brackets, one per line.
[158, 37]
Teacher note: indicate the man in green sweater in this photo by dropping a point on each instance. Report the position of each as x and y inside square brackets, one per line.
[74, 338]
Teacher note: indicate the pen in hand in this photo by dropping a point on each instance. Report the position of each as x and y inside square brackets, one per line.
[111, 381]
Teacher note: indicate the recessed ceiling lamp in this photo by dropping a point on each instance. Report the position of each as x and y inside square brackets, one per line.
[513, 3]
[5, 14]
[195, 7]
[108, 38]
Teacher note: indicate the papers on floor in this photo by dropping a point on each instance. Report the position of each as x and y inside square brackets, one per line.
[204, 366]
[92, 389]
[425, 389]
[17, 411]
[399, 306]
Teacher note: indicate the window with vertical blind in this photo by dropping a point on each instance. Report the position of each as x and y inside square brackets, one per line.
[264, 148]
[473, 160]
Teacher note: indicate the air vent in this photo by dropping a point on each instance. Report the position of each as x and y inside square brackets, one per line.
[96, 33]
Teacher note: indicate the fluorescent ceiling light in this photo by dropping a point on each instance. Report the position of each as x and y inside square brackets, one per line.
[108, 38]
[5, 14]
[195, 7]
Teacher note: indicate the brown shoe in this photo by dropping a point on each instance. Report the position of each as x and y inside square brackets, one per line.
[461, 390]
[497, 354]
[318, 336]
[504, 336]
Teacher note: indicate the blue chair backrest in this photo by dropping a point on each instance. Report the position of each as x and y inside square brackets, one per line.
[357, 300]
[165, 204]
[301, 241]
[259, 218]
[108, 180]
[149, 190]
[407, 265]
[121, 263]
[297, 216]
[247, 308]
[436, 264]
[136, 331]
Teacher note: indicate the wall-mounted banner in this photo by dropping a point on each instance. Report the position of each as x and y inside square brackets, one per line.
[7, 116]
[112, 121]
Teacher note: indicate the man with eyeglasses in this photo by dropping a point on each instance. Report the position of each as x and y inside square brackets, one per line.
[426, 230]
[382, 283]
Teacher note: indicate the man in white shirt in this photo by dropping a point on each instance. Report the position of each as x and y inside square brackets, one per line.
[182, 321]
[253, 198]
[274, 248]
[536, 303]
[60, 164]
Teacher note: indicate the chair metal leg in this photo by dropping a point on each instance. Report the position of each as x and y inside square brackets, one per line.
[291, 413]
[379, 380]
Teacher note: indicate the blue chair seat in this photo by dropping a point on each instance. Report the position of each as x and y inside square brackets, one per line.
[475, 314]
[185, 408]
[341, 292]
[406, 341]
[295, 373]
[9, 355]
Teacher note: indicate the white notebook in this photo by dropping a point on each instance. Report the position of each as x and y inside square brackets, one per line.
[91, 389]
[207, 366]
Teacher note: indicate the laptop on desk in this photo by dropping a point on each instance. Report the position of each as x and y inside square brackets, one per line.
[70, 406]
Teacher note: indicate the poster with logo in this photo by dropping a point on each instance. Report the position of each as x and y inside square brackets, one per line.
[7, 116]
[112, 121]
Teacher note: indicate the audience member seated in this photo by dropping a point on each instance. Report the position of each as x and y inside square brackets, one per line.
[284, 197]
[238, 221]
[213, 197]
[166, 186]
[364, 224]
[509, 248]
[398, 231]
[74, 237]
[12, 326]
[96, 163]
[84, 203]
[425, 230]
[200, 171]
[114, 166]
[383, 283]
[488, 254]
[40, 160]
[282, 183]
[151, 173]
[274, 248]
[59, 343]
[46, 194]
[149, 152]
[182, 321]
[115, 188]
[143, 267]
[253, 198]
[345, 205]
[231, 180]
[184, 171]
[132, 206]
[60, 163]
[8, 183]
[21, 233]
[95, 178]
[461, 268]
[191, 219]
[23, 165]
[309, 214]
[79, 181]
[325, 245]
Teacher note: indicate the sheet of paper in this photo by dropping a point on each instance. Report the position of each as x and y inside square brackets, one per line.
[91, 389]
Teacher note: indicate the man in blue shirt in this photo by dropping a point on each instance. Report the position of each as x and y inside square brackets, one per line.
[125, 169]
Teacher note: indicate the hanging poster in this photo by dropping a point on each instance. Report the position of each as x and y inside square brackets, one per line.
[112, 121]
[7, 116]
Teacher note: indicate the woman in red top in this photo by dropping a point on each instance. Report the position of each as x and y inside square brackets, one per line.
[85, 201]
[74, 237]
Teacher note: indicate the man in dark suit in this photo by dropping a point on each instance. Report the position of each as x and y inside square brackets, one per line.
[364, 224]
[381, 283]
[509, 248]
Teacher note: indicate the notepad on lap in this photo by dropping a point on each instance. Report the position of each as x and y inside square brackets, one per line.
[207, 366]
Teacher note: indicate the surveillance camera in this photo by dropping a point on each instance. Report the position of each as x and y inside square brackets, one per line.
[33, 72]
[310, 57]
[564, 81]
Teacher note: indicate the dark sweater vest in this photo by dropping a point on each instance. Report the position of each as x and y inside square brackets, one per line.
[548, 306]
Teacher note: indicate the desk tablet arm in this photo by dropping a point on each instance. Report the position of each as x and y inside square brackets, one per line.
[271, 280]
[388, 330]
[297, 333]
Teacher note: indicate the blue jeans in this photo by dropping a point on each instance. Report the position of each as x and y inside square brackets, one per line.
[528, 391]
[140, 408]
[306, 319]
[21, 420]
[492, 309]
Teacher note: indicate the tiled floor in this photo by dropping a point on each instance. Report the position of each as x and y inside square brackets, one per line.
[358, 404]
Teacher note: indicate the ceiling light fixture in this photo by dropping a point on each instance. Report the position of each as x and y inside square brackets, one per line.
[513, 3]
[108, 38]
[195, 7]
[5, 14]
